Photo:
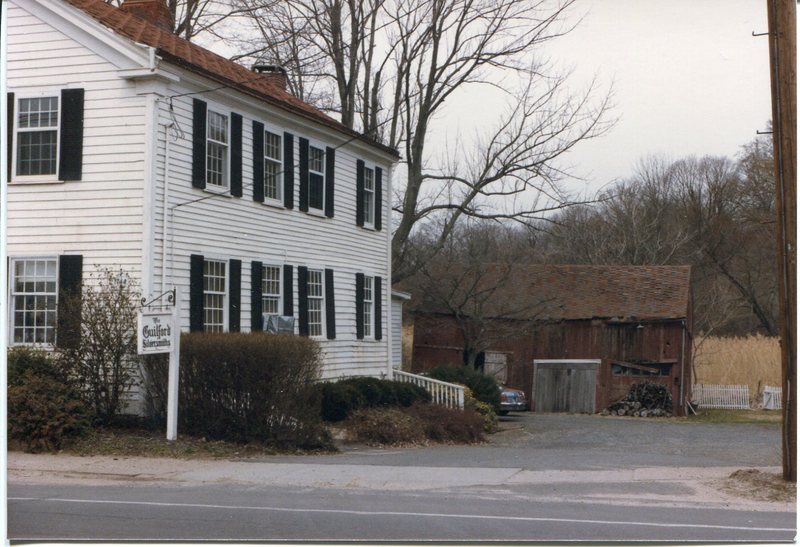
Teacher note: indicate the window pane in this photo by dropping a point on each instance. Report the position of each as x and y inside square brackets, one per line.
[316, 159]
[315, 302]
[272, 179]
[216, 164]
[367, 319]
[272, 146]
[34, 301]
[214, 295]
[316, 191]
[36, 152]
[217, 127]
[271, 289]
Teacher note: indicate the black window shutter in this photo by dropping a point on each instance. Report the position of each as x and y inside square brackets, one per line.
[359, 192]
[378, 198]
[302, 299]
[236, 155]
[288, 170]
[10, 132]
[330, 177]
[199, 113]
[68, 313]
[378, 297]
[288, 290]
[235, 296]
[330, 306]
[196, 293]
[303, 174]
[70, 164]
[258, 161]
[360, 306]
[256, 303]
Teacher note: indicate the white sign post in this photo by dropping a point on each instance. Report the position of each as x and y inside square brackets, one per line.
[159, 332]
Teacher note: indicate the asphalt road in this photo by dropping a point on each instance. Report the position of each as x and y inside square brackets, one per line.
[547, 478]
[275, 514]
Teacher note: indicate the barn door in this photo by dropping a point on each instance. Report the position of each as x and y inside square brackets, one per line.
[564, 386]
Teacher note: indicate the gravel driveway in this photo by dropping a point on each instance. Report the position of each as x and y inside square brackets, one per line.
[583, 442]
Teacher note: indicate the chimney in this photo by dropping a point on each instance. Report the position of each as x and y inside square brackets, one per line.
[274, 74]
[155, 11]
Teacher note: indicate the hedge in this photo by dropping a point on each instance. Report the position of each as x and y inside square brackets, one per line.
[245, 387]
[341, 398]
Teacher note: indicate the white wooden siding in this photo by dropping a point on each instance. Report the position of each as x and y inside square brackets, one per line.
[99, 216]
[240, 228]
[102, 216]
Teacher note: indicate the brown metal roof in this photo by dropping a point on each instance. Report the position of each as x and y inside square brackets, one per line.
[563, 292]
[195, 58]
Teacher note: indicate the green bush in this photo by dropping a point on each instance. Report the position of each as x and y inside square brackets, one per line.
[485, 411]
[23, 359]
[341, 398]
[246, 387]
[484, 387]
[44, 411]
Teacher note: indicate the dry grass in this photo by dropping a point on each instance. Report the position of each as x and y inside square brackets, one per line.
[761, 486]
[752, 360]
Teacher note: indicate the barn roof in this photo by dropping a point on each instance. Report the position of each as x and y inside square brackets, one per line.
[565, 292]
[199, 60]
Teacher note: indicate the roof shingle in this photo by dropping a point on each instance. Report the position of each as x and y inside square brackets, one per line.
[563, 292]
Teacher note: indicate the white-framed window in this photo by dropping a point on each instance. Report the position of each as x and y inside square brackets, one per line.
[369, 197]
[273, 166]
[316, 178]
[369, 303]
[34, 297]
[316, 303]
[36, 145]
[271, 290]
[214, 295]
[217, 149]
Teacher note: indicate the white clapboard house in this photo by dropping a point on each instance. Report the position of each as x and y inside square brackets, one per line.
[131, 147]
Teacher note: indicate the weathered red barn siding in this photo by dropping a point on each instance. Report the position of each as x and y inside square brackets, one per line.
[437, 341]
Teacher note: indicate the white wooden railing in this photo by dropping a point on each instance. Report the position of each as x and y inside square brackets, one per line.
[772, 398]
[720, 396]
[442, 393]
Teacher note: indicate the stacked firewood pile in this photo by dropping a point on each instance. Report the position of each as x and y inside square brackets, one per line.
[644, 399]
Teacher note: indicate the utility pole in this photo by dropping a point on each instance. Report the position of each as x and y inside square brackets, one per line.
[781, 17]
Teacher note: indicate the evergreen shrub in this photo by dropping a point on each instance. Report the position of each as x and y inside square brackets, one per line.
[484, 387]
[44, 410]
[341, 398]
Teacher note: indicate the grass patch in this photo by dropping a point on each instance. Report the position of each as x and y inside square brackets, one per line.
[722, 416]
[144, 443]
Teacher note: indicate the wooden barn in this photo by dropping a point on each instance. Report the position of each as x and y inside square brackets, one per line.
[593, 331]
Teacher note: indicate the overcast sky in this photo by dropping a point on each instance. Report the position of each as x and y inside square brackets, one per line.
[688, 78]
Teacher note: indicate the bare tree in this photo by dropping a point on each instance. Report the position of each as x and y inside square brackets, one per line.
[388, 68]
[713, 213]
[469, 281]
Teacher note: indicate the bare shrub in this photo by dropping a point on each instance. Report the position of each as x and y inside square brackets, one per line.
[103, 361]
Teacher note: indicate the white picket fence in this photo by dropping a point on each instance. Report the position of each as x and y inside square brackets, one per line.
[442, 393]
[772, 398]
[720, 396]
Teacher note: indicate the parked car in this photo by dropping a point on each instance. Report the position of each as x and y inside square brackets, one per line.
[512, 400]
